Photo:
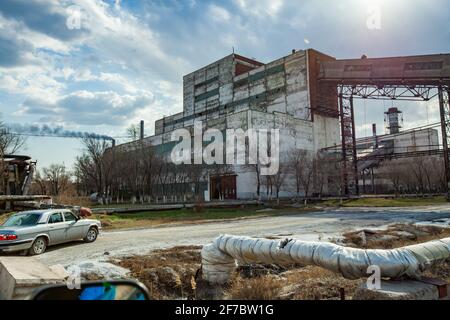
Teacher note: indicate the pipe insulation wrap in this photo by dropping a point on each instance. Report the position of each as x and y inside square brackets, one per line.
[220, 259]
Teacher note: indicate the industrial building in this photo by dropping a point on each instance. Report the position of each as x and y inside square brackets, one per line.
[308, 96]
[240, 93]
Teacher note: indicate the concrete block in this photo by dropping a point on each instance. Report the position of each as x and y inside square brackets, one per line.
[59, 270]
[399, 290]
[20, 276]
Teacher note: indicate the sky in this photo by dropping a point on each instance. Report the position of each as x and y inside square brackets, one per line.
[100, 66]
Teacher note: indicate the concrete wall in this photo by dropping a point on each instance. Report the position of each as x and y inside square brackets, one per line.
[236, 94]
[216, 90]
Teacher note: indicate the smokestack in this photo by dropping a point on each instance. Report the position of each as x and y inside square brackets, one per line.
[141, 132]
[113, 142]
[394, 120]
[374, 133]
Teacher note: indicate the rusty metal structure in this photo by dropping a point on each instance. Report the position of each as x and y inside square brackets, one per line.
[412, 78]
[17, 175]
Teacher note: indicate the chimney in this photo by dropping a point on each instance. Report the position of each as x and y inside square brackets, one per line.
[394, 120]
[141, 131]
[374, 133]
[293, 51]
[113, 142]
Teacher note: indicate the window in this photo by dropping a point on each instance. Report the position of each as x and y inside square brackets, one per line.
[24, 219]
[68, 216]
[55, 218]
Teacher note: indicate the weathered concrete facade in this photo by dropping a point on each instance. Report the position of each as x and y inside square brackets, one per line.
[240, 93]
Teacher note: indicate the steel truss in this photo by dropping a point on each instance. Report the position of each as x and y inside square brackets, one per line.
[444, 108]
[389, 92]
[347, 93]
[349, 155]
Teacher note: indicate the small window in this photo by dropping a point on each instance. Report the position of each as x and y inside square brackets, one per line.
[55, 218]
[68, 216]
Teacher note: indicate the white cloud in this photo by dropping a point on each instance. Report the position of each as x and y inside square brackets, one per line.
[125, 57]
[88, 108]
[260, 8]
[218, 13]
[121, 37]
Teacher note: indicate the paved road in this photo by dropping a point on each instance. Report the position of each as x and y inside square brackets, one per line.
[312, 226]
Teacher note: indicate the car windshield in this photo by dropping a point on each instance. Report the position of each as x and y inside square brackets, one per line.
[22, 219]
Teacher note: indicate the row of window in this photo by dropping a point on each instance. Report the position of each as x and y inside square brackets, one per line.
[61, 217]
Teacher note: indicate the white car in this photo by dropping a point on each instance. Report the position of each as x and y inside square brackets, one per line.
[34, 231]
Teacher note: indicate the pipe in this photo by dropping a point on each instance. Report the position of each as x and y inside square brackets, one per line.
[220, 259]
[141, 130]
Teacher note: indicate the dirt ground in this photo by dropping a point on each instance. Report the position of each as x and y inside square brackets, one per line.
[175, 273]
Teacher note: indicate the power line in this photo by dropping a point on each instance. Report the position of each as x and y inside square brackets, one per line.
[61, 136]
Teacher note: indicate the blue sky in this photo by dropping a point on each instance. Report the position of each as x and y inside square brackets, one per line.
[125, 60]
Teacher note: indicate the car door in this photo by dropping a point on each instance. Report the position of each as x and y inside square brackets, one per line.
[75, 228]
[56, 228]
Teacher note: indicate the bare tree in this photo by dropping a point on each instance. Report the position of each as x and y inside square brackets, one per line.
[320, 174]
[10, 143]
[40, 182]
[303, 165]
[96, 165]
[417, 167]
[395, 174]
[133, 132]
[278, 180]
[57, 177]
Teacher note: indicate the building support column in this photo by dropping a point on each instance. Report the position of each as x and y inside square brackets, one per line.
[350, 184]
[444, 108]
[354, 153]
[344, 178]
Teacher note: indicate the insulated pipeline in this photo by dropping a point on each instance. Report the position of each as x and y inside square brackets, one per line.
[220, 259]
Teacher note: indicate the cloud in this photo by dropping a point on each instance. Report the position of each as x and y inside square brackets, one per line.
[13, 51]
[48, 17]
[123, 39]
[88, 108]
[218, 14]
[260, 8]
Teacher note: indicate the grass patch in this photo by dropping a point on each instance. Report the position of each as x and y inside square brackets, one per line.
[154, 218]
[386, 202]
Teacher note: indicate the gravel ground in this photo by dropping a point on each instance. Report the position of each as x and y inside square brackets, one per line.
[322, 226]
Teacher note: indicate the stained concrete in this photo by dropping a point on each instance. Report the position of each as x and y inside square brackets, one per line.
[399, 290]
[20, 276]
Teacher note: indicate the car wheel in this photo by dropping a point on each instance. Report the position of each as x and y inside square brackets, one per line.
[38, 247]
[91, 235]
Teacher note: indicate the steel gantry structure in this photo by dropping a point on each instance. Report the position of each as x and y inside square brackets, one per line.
[414, 78]
[444, 109]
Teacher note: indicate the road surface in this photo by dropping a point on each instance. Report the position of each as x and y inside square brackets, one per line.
[311, 226]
